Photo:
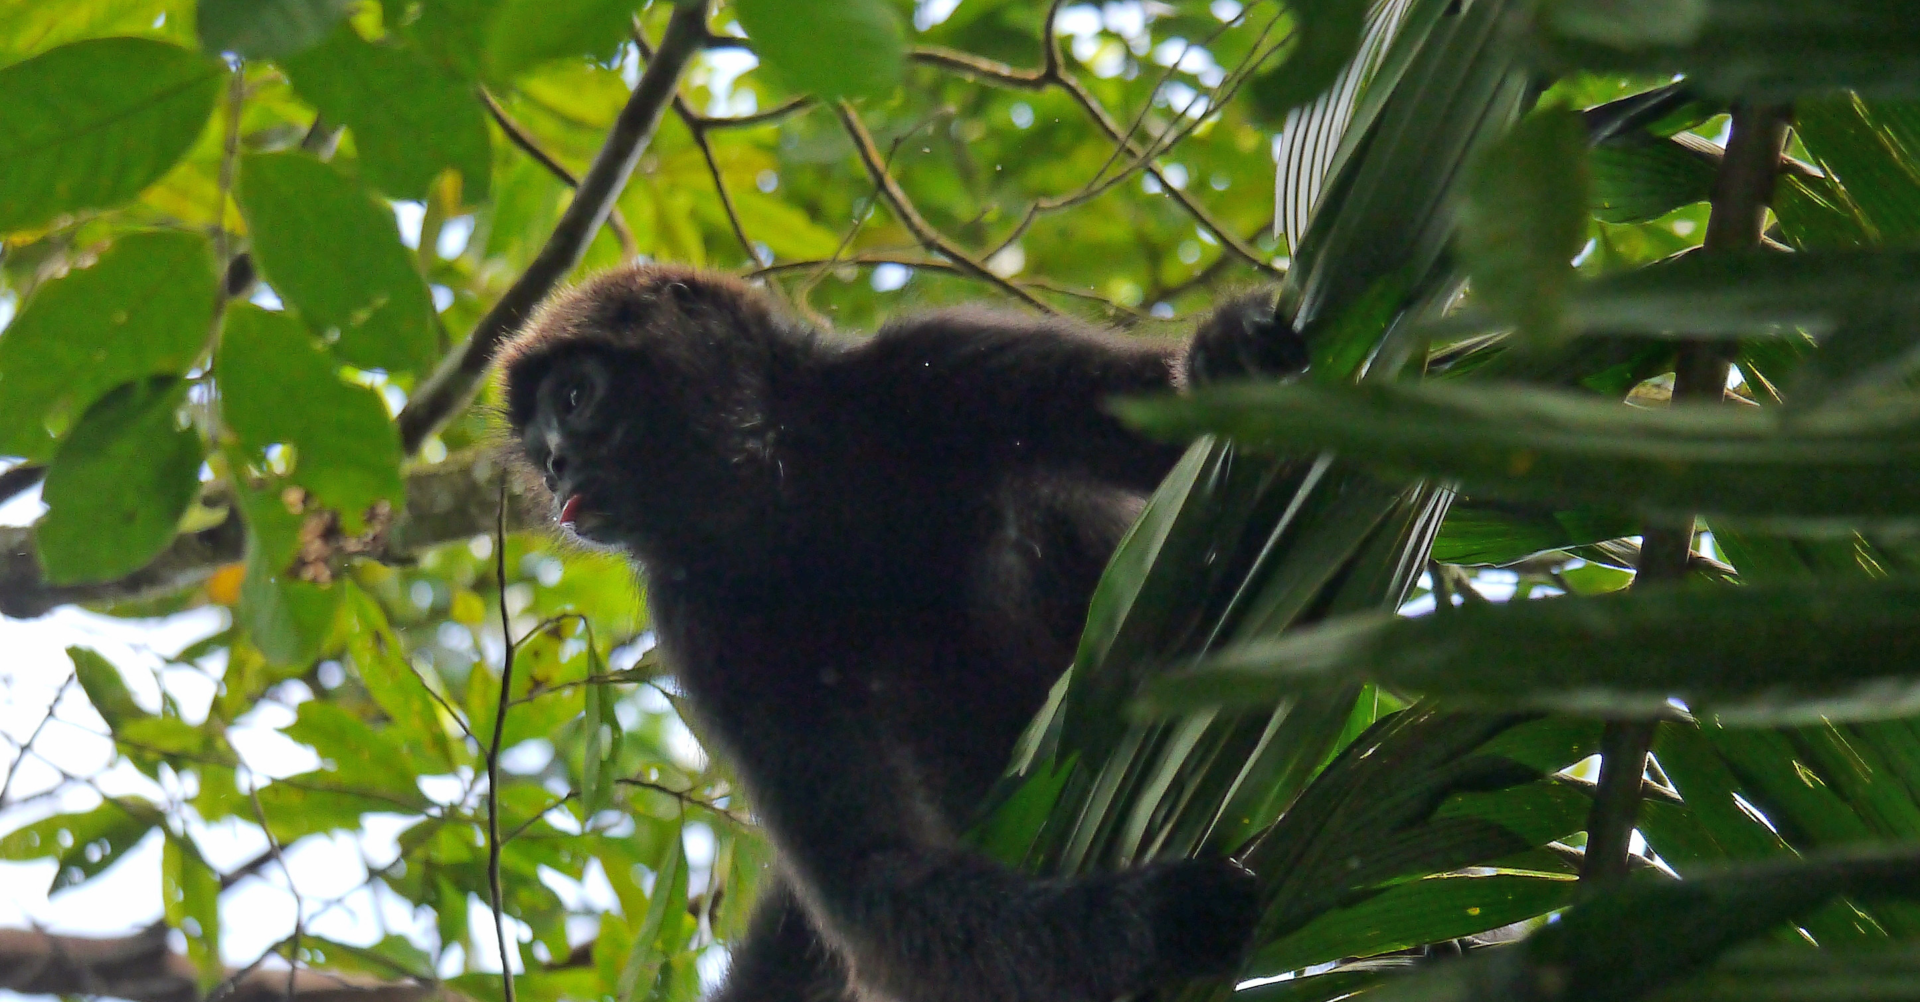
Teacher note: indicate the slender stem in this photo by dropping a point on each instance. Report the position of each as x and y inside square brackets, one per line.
[448, 389]
[493, 749]
[520, 137]
[910, 217]
[1741, 192]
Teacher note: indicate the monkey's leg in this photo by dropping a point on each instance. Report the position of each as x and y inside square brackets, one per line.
[923, 920]
[782, 958]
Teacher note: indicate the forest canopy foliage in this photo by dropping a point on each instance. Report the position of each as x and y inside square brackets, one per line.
[1602, 297]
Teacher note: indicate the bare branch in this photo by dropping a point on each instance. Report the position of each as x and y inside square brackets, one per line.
[911, 218]
[449, 388]
[140, 968]
[520, 137]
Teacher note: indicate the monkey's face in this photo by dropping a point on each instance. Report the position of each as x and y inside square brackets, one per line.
[632, 449]
[574, 435]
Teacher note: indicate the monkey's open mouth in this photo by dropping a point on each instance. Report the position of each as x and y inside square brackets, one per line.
[570, 511]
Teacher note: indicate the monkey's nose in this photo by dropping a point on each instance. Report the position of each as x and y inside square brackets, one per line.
[556, 469]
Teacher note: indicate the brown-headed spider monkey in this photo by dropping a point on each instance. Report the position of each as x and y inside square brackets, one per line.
[867, 562]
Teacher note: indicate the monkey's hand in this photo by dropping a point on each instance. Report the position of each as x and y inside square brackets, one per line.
[1245, 337]
[1202, 912]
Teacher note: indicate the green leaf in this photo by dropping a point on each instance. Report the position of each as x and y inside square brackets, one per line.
[1326, 35]
[1641, 178]
[526, 33]
[1652, 932]
[119, 484]
[1795, 652]
[1416, 912]
[334, 254]
[1524, 217]
[410, 119]
[143, 309]
[289, 620]
[1752, 49]
[600, 757]
[1879, 972]
[1799, 471]
[190, 893]
[1494, 534]
[104, 687]
[1861, 147]
[668, 897]
[85, 843]
[278, 387]
[88, 125]
[164, 736]
[353, 752]
[266, 28]
[848, 48]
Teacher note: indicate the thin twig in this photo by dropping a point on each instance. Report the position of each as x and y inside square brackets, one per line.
[767, 117]
[493, 746]
[695, 126]
[1742, 190]
[685, 798]
[1053, 73]
[520, 137]
[910, 217]
[299, 906]
[448, 389]
[13, 768]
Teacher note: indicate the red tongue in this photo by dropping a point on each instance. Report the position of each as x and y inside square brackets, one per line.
[570, 510]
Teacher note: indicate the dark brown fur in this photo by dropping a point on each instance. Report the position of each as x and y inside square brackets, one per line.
[867, 562]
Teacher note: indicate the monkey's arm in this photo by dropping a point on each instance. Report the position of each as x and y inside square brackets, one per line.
[782, 959]
[920, 917]
[1008, 390]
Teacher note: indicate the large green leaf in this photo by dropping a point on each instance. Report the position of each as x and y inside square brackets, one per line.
[144, 309]
[85, 844]
[1759, 49]
[1888, 972]
[1524, 217]
[119, 484]
[334, 254]
[1652, 932]
[278, 388]
[811, 45]
[1417, 912]
[87, 125]
[1326, 35]
[259, 28]
[524, 33]
[1809, 470]
[1782, 653]
[410, 118]
[1641, 178]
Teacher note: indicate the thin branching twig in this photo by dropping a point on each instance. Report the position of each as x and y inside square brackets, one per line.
[493, 750]
[520, 137]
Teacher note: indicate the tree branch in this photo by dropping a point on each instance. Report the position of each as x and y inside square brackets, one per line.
[910, 217]
[520, 137]
[447, 390]
[1741, 191]
[140, 968]
[447, 501]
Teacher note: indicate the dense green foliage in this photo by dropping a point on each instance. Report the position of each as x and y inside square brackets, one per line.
[240, 237]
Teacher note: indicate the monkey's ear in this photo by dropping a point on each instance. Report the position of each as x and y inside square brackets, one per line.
[1246, 336]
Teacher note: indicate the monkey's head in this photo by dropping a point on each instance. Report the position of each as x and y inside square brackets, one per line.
[640, 398]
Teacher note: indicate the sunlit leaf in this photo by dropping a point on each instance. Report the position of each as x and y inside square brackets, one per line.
[259, 28]
[796, 38]
[334, 254]
[87, 125]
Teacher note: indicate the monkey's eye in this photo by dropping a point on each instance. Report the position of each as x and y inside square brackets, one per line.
[573, 398]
